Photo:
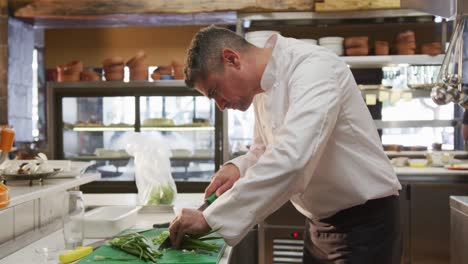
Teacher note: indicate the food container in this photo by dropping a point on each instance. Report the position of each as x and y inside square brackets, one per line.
[418, 163]
[108, 221]
[400, 161]
[334, 44]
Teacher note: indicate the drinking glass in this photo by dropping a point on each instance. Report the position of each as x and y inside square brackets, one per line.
[73, 217]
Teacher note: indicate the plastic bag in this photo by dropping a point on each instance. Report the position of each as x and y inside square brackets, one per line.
[152, 168]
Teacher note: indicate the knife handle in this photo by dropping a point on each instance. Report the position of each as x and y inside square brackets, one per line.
[210, 199]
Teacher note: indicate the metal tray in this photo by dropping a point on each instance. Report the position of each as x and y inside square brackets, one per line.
[29, 177]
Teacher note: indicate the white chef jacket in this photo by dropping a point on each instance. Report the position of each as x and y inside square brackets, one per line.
[315, 144]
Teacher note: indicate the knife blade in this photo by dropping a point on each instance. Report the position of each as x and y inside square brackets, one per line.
[209, 200]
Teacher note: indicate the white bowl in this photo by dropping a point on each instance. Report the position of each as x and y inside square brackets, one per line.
[331, 40]
[311, 41]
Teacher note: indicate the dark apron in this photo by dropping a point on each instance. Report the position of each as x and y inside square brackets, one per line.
[363, 234]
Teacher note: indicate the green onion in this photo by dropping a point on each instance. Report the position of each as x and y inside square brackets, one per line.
[137, 245]
[111, 258]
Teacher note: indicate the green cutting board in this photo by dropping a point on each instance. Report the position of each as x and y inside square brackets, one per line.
[170, 256]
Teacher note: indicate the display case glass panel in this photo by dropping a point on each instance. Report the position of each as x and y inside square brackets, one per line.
[187, 125]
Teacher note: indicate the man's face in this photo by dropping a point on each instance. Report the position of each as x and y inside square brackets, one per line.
[232, 88]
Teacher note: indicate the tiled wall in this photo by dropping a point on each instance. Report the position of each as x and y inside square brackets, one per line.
[22, 223]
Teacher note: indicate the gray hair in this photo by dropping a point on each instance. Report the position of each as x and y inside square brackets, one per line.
[204, 55]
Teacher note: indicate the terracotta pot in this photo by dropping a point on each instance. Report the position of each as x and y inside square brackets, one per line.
[355, 42]
[357, 51]
[113, 68]
[137, 60]
[381, 48]
[406, 36]
[114, 75]
[89, 75]
[66, 74]
[179, 72]
[434, 48]
[139, 74]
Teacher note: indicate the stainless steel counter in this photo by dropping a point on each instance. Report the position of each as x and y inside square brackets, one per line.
[458, 229]
[431, 174]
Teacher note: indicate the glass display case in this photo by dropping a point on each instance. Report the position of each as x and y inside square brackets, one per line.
[91, 121]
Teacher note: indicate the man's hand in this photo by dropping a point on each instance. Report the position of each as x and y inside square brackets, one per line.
[223, 180]
[189, 221]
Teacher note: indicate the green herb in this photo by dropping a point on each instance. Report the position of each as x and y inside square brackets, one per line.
[137, 245]
[160, 238]
[111, 258]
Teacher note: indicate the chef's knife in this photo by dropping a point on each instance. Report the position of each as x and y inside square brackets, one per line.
[209, 200]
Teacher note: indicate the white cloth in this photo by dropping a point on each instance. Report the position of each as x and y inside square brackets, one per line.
[315, 143]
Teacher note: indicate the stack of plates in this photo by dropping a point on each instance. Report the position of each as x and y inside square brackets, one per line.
[259, 38]
[334, 44]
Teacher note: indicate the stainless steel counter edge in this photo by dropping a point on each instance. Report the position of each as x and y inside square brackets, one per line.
[460, 203]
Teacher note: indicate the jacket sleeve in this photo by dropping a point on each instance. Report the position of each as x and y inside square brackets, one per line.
[255, 151]
[299, 141]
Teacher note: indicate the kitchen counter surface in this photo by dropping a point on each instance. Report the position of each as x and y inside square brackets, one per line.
[144, 220]
[429, 171]
[460, 203]
[21, 192]
[431, 174]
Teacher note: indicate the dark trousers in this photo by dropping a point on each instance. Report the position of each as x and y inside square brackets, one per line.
[364, 234]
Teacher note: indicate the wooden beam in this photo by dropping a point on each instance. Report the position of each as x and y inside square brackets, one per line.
[67, 8]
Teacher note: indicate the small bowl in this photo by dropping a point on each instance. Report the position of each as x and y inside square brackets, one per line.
[418, 163]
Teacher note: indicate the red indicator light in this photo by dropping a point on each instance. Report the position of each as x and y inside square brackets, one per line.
[295, 234]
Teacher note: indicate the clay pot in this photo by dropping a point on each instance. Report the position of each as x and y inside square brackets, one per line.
[381, 48]
[355, 42]
[433, 48]
[138, 60]
[357, 51]
[69, 72]
[89, 75]
[139, 74]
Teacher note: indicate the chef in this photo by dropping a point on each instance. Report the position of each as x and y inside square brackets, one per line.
[315, 144]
